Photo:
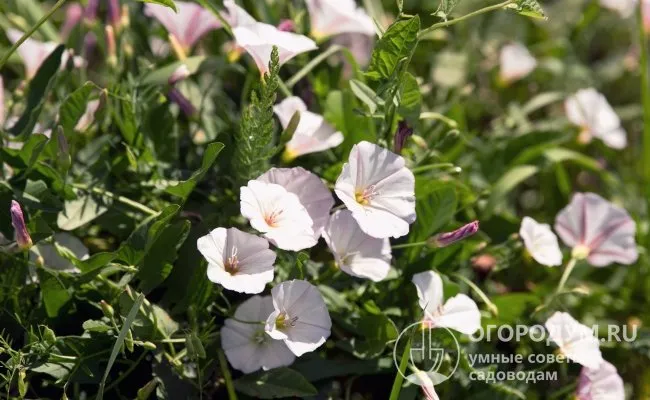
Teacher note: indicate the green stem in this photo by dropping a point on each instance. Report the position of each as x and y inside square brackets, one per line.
[224, 22]
[399, 378]
[124, 200]
[312, 64]
[424, 168]
[28, 34]
[439, 117]
[645, 93]
[230, 387]
[127, 372]
[491, 306]
[408, 245]
[445, 24]
[565, 275]
[283, 88]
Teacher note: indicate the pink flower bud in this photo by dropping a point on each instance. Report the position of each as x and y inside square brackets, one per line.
[287, 25]
[23, 239]
[114, 13]
[90, 13]
[448, 238]
[404, 131]
[175, 96]
[73, 14]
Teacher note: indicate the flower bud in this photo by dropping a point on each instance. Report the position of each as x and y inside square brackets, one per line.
[149, 345]
[114, 14]
[175, 96]
[110, 45]
[404, 131]
[287, 25]
[448, 238]
[180, 74]
[89, 46]
[23, 239]
[90, 13]
[73, 14]
[107, 309]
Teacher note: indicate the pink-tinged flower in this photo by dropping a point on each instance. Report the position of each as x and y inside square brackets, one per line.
[34, 53]
[355, 252]
[379, 190]
[576, 341]
[360, 46]
[516, 62]
[73, 14]
[597, 230]
[425, 383]
[448, 238]
[22, 237]
[310, 189]
[278, 214]
[459, 313]
[313, 133]
[603, 383]
[299, 318]
[590, 110]
[541, 242]
[88, 116]
[329, 18]
[188, 25]
[180, 74]
[237, 260]
[287, 25]
[237, 16]
[259, 38]
[625, 8]
[247, 346]
[645, 9]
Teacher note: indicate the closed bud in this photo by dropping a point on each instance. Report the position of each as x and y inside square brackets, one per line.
[114, 14]
[90, 13]
[175, 96]
[107, 309]
[23, 239]
[22, 385]
[448, 238]
[287, 25]
[111, 45]
[404, 131]
[128, 342]
[149, 346]
[49, 336]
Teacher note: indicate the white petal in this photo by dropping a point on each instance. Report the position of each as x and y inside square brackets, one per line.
[430, 290]
[576, 341]
[330, 18]
[357, 253]
[237, 16]
[603, 383]
[590, 110]
[188, 25]
[88, 117]
[625, 8]
[540, 242]
[516, 62]
[460, 313]
[422, 379]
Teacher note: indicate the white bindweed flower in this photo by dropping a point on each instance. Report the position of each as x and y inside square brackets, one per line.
[310, 189]
[259, 38]
[379, 190]
[189, 25]
[355, 252]
[459, 313]
[329, 18]
[300, 317]
[540, 242]
[625, 8]
[237, 16]
[313, 133]
[49, 255]
[278, 214]
[597, 230]
[88, 116]
[247, 346]
[237, 260]
[424, 381]
[603, 383]
[34, 53]
[516, 62]
[590, 110]
[576, 341]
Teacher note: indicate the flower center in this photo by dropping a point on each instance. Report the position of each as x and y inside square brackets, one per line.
[232, 263]
[272, 218]
[363, 196]
[283, 321]
[580, 252]
[259, 336]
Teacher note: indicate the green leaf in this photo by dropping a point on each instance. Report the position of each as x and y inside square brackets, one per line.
[410, 99]
[158, 261]
[509, 181]
[377, 330]
[166, 3]
[74, 106]
[161, 76]
[39, 88]
[366, 95]
[398, 43]
[79, 212]
[339, 111]
[55, 294]
[558, 155]
[185, 188]
[92, 325]
[143, 238]
[275, 383]
[529, 8]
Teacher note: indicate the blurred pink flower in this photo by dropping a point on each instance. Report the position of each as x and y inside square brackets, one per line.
[541, 242]
[516, 62]
[575, 340]
[602, 383]
[590, 110]
[73, 14]
[22, 237]
[425, 382]
[625, 8]
[597, 230]
[329, 18]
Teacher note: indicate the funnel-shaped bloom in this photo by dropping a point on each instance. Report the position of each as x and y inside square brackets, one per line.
[459, 313]
[310, 189]
[597, 230]
[590, 110]
[22, 237]
[300, 317]
[355, 252]
[188, 25]
[50, 257]
[237, 260]
[313, 133]
[329, 18]
[422, 379]
[34, 53]
[379, 190]
[576, 341]
[516, 62]
[541, 242]
[603, 383]
[278, 214]
[247, 347]
[625, 8]
[237, 16]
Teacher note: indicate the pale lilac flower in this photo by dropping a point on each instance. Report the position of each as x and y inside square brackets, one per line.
[355, 252]
[50, 255]
[576, 341]
[541, 242]
[258, 40]
[459, 312]
[329, 18]
[90, 12]
[313, 133]
[88, 116]
[625, 8]
[424, 381]
[300, 317]
[114, 13]
[603, 383]
[312, 193]
[189, 25]
[237, 260]
[590, 110]
[379, 190]
[404, 131]
[360, 46]
[597, 230]
[247, 346]
[448, 238]
[516, 62]
[73, 14]
[237, 16]
[22, 237]
[278, 214]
